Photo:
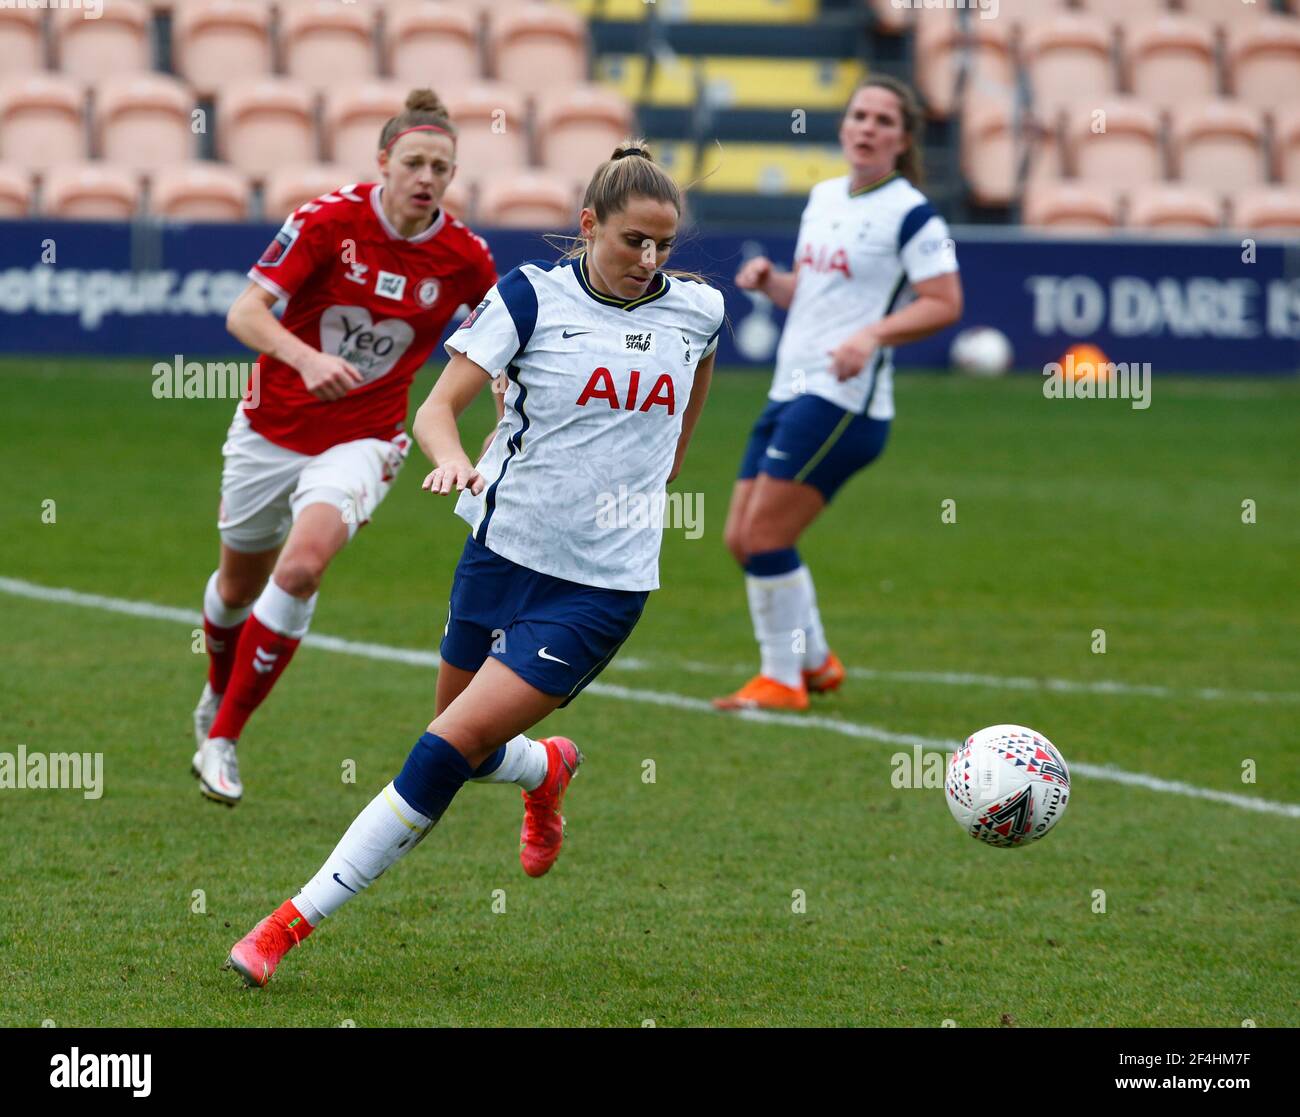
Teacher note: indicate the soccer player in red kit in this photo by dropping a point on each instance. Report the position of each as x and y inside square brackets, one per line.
[372, 274]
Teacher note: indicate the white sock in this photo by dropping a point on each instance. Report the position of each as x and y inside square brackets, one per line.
[217, 611]
[387, 829]
[283, 613]
[816, 650]
[776, 605]
[525, 763]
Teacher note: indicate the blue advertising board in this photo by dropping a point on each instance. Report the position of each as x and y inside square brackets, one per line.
[1218, 305]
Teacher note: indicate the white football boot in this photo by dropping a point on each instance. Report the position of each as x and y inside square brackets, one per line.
[219, 771]
[205, 713]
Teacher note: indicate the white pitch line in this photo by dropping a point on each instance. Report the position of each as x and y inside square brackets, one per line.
[962, 678]
[417, 658]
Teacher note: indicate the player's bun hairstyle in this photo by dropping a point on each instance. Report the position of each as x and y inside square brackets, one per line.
[630, 172]
[909, 162]
[424, 110]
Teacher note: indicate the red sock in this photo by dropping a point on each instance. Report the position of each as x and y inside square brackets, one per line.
[259, 659]
[221, 643]
[293, 920]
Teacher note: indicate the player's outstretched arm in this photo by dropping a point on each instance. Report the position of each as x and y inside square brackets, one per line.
[699, 393]
[759, 274]
[251, 321]
[436, 431]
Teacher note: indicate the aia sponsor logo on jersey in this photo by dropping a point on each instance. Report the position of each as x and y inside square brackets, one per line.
[279, 247]
[600, 385]
[823, 259]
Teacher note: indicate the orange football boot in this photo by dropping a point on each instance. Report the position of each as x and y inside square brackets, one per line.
[762, 693]
[543, 830]
[825, 678]
[255, 956]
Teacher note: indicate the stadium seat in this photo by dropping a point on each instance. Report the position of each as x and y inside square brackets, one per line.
[1169, 61]
[537, 48]
[91, 191]
[116, 42]
[753, 168]
[22, 47]
[432, 44]
[1264, 60]
[1286, 144]
[458, 201]
[492, 128]
[1071, 205]
[288, 187]
[1271, 210]
[889, 18]
[1020, 14]
[1068, 59]
[42, 121]
[354, 117]
[1046, 155]
[216, 42]
[994, 144]
[1127, 151]
[1218, 145]
[265, 125]
[578, 130]
[673, 82]
[1224, 14]
[531, 200]
[325, 42]
[777, 83]
[143, 120]
[1174, 208]
[200, 192]
[978, 54]
[15, 191]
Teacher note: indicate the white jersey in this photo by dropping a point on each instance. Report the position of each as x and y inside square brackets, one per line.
[855, 255]
[597, 387]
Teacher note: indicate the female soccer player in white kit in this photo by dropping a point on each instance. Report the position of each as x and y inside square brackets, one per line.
[371, 273]
[864, 239]
[608, 361]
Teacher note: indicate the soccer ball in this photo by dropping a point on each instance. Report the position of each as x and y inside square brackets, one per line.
[1007, 785]
[981, 351]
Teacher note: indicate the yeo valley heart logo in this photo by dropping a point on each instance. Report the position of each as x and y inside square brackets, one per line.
[373, 347]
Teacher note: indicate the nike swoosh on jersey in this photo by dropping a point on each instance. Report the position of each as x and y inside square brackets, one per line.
[576, 333]
[542, 652]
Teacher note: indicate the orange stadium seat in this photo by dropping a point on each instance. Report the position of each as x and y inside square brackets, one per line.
[1175, 208]
[1127, 151]
[22, 48]
[42, 121]
[944, 49]
[1274, 210]
[1225, 14]
[200, 192]
[1219, 145]
[1169, 61]
[218, 42]
[288, 187]
[530, 200]
[1286, 144]
[537, 48]
[143, 120]
[94, 191]
[1124, 12]
[458, 201]
[15, 191]
[492, 125]
[325, 42]
[1068, 59]
[1020, 14]
[990, 149]
[117, 41]
[354, 117]
[265, 125]
[890, 19]
[1071, 205]
[579, 129]
[1264, 60]
[433, 44]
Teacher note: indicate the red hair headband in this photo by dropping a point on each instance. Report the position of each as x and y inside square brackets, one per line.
[417, 128]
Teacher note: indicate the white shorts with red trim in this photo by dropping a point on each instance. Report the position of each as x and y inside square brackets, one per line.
[264, 486]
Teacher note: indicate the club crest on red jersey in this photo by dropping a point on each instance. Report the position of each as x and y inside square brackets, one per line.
[427, 291]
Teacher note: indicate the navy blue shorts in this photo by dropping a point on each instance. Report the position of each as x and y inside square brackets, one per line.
[555, 635]
[812, 440]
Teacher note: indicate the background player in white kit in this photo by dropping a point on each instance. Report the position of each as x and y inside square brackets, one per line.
[863, 240]
[608, 361]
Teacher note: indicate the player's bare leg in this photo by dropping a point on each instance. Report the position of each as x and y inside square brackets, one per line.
[279, 620]
[495, 706]
[733, 534]
[770, 519]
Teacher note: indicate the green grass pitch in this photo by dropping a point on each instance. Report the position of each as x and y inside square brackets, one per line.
[678, 901]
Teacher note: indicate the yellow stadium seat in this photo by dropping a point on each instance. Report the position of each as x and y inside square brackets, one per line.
[752, 168]
[701, 11]
[672, 84]
[784, 83]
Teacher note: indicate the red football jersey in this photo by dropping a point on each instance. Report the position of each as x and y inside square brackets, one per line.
[359, 290]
